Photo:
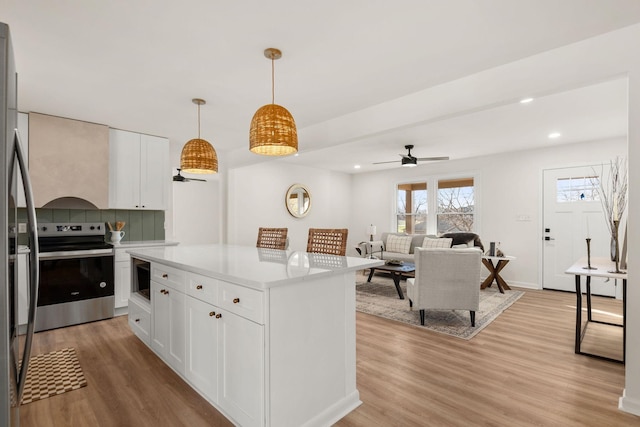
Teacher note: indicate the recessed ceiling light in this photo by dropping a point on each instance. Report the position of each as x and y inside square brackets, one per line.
[526, 100]
[356, 166]
[296, 155]
[554, 135]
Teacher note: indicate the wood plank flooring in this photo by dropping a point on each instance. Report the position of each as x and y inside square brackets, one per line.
[519, 371]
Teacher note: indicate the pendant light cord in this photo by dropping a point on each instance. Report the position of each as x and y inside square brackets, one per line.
[273, 84]
[198, 121]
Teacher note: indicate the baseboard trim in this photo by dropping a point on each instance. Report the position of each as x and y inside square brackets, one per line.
[626, 404]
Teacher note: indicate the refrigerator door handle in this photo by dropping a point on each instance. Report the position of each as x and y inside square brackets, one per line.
[34, 270]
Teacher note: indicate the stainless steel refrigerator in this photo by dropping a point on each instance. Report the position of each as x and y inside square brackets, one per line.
[14, 347]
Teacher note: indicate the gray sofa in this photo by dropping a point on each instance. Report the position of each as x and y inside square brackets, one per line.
[378, 248]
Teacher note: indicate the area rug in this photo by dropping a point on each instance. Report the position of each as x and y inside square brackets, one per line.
[51, 374]
[379, 297]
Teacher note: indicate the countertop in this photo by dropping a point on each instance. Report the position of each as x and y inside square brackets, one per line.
[253, 267]
[142, 244]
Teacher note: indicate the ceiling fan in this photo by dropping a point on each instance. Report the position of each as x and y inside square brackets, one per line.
[181, 178]
[410, 161]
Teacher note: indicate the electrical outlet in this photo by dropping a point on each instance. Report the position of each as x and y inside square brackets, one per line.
[22, 227]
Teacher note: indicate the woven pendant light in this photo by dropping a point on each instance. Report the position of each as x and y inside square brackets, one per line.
[198, 156]
[273, 130]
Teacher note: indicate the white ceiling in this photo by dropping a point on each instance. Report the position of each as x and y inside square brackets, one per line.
[137, 65]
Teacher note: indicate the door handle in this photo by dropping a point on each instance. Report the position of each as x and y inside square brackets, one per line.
[34, 271]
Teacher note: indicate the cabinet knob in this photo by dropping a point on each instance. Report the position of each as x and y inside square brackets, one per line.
[212, 313]
[165, 275]
[218, 316]
[236, 300]
[199, 287]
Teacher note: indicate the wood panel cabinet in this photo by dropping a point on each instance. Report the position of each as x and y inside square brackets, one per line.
[139, 172]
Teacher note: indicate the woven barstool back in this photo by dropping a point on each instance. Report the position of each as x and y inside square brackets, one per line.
[272, 238]
[328, 241]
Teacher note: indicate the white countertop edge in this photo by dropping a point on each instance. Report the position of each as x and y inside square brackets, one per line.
[313, 274]
[143, 244]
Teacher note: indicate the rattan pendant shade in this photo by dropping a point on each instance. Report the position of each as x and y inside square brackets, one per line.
[198, 156]
[273, 131]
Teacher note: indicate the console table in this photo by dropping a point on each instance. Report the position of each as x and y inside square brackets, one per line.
[603, 268]
[494, 271]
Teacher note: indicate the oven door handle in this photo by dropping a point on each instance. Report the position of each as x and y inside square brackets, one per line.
[34, 270]
[92, 253]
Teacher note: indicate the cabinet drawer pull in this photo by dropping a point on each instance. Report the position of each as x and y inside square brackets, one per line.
[218, 316]
[137, 320]
[236, 300]
[165, 275]
[166, 292]
[199, 287]
[212, 313]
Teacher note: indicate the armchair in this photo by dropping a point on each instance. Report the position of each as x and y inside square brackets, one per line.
[446, 279]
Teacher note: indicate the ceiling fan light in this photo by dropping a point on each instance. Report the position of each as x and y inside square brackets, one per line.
[198, 156]
[409, 162]
[273, 132]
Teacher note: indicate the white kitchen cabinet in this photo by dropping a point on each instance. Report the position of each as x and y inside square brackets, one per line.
[122, 277]
[139, 172]
[264, 347]
[201, 367]
[140, 319]
[168, 324]
[241, 369]
[23, 130]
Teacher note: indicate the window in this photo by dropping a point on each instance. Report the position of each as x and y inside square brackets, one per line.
[576, 189]
[453, 202]
[456, 205]
[411, 208]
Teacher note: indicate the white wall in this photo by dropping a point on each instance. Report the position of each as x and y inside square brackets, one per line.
[507, 185]
[256, 198]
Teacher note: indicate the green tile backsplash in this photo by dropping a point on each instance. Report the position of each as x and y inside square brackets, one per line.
[140, 224]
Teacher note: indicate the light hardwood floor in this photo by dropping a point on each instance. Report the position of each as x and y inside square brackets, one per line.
[519, 371]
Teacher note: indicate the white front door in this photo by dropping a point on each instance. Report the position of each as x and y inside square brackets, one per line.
[572, 212]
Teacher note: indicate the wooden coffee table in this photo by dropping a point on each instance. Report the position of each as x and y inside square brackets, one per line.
[396, 272]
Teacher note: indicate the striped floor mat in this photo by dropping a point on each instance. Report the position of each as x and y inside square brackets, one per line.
[51, 374]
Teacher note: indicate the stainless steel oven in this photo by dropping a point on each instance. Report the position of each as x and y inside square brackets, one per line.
[76, 275]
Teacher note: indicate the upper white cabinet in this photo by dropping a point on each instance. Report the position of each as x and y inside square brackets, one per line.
[68, 162]
[139, 172]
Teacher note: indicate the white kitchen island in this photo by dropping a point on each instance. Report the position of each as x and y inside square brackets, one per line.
[266, 336]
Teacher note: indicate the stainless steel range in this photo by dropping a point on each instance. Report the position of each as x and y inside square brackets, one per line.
[76, 275]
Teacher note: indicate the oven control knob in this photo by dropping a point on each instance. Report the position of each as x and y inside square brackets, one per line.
[92, 228]
[103, 284]
[44, 228]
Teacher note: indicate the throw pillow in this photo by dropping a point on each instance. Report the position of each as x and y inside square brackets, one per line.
[436, 243]
[400, 244]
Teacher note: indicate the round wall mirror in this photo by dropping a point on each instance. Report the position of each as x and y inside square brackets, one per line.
[298, 200]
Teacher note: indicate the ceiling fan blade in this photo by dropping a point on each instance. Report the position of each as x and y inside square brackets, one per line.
[380, 163]
[424, 159]
[196, 179]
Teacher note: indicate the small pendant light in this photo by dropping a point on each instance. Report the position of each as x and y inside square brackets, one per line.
[273, 130]
[198, 156]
